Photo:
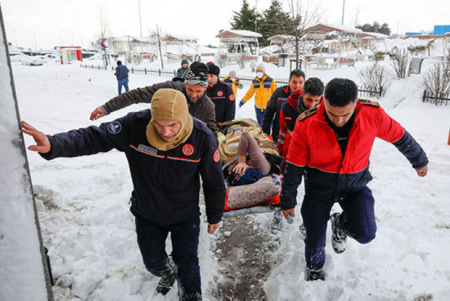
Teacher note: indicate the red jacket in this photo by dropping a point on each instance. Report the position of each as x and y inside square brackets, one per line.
[288, 117]
[315, 148]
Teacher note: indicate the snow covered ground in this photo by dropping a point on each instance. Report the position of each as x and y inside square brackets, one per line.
[89, 231]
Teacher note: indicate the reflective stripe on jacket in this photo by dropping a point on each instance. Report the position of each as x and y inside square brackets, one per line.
[262, 89]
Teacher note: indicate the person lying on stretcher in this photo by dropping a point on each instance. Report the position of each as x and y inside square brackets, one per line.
[252, 181]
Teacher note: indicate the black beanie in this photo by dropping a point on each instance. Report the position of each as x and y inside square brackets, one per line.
[197, 74]
[213, 69]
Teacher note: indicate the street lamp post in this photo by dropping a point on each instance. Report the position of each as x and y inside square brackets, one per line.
[140, 19]
[343, 9]
[35, 43]
[62, 37]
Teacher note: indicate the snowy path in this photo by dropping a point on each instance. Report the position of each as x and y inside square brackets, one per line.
[90, 234]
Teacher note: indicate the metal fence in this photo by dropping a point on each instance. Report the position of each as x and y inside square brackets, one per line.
[362, 91]
[427, 97]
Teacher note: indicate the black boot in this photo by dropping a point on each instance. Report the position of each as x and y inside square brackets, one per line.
[167, 278]
[313, 275]
[338, 237]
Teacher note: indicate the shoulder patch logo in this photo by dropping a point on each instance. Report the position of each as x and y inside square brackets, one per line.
[114, 127]
[216, 156]
[308, 113]
[188, 149]
[232, 98]
[369, 102]
[219, 93]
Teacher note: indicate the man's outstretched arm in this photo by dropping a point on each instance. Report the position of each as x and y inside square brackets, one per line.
[43, 144]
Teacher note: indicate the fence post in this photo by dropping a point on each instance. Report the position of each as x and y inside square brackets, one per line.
[381, 91]
[448, 142]
[159, 72]
[424, 95]
[145, 70]
[132, 70]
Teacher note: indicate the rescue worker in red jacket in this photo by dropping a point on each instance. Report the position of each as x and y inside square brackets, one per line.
[271, 120]
[295, 105]
[331, 144]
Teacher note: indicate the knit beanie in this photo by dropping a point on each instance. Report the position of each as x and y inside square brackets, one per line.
[184, 61]
[213, 69]
[197, 74]
[169, 104]
[261, 67]
[232, 74]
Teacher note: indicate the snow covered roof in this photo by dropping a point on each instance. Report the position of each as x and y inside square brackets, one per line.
[180, 38]
[238, 33]
[376, 35]
[281, 38]
[141, 40]
[122, 39]
[325, 28]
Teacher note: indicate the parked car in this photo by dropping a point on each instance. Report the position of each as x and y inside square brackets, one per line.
[17, 56]
[32, 61]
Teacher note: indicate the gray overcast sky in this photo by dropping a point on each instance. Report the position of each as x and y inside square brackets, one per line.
[47, 23]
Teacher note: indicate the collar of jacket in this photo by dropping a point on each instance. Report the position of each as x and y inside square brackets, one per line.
[262, 79]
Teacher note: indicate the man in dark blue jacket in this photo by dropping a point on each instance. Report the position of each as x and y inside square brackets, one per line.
[221, 95]
[122, 76]
[167, 149]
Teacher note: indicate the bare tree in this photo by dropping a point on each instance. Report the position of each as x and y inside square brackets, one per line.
[437, 82]
[400, 62]
[376, 78]
[105, 33]
[302, 17]
[357, 15]
[157, 38]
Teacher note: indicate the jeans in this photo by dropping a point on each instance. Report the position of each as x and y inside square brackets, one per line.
[360, 225]
[123, 82]
[151, 239]
[259, 116]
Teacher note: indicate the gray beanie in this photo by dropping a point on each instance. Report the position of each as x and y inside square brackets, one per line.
[197, 74]
[261, 67]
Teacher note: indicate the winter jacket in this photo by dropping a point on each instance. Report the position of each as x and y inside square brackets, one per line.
[263, 88]
[202, 109]
[330, 176]
[272, 112]
[223, 98]
[181, 72]
[121, 72]
[166, 183]
[288, 116]
[235, 84]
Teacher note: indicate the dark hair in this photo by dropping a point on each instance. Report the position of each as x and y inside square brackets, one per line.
[119, 63]
[339, 92]
[313, 86]
[297, 73]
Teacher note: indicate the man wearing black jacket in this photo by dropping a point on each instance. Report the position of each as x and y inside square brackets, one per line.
[221, 94]
[163, 146]
[272, 112]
